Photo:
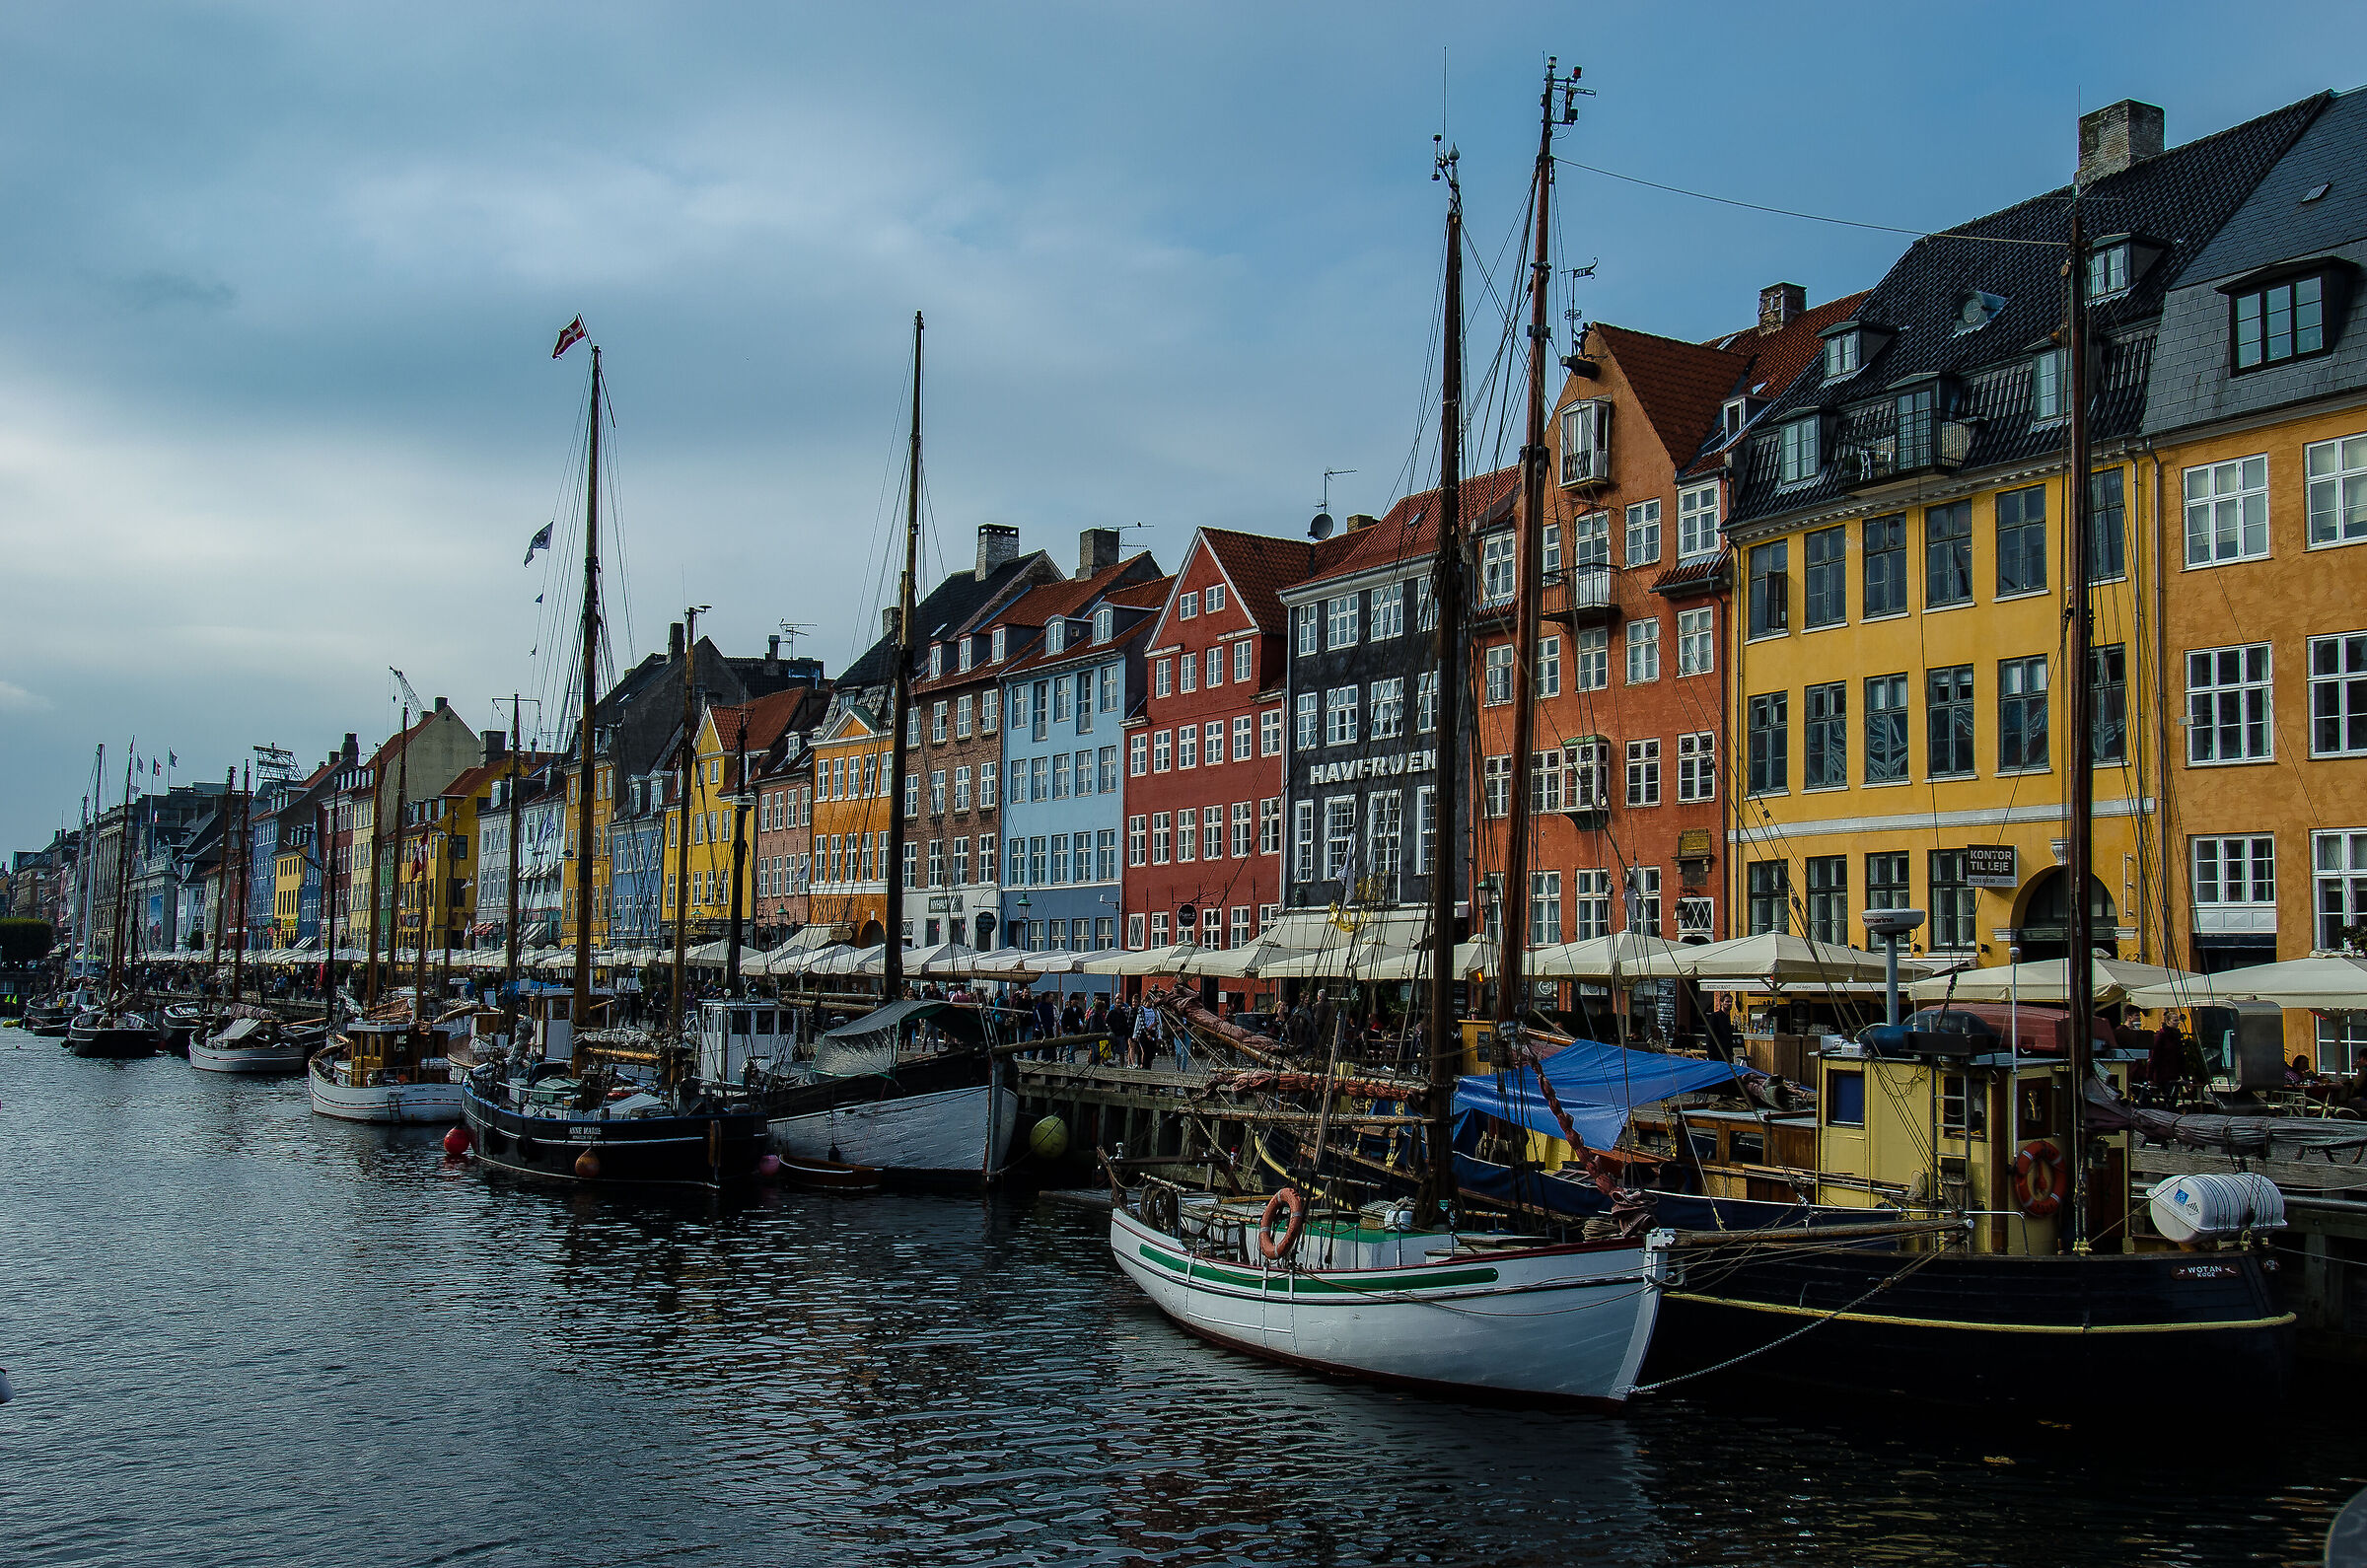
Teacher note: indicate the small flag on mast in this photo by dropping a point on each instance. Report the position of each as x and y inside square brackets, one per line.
[541, 542]
[569, 335]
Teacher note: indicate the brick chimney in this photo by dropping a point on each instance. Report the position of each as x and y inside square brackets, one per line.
[497, 744]
[887, 618]
[351, 750]
[998, 546]
[1097, 550]
[1778, 303]
[2116, 136]
[443, 706]
[674, 640]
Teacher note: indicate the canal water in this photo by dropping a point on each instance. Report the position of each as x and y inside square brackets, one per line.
[240, 1334]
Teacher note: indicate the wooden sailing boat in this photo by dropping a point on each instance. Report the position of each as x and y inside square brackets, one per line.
[1396, 1291]
[624, 1109]
[114, 1029]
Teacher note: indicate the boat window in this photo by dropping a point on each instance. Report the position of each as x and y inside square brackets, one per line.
[740, 1019]
[1705, 1144]
[1960, 1097]
[1846, 1099]
[1747, 1147]
[764, 1023]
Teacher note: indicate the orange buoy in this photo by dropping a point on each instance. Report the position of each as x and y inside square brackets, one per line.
[2040, 1179]
[457, 1142]
[587, 1165]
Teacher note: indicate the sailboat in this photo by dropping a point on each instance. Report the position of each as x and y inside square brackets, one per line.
[114, 1029]
[625, 1109]
[936, 1118]
[1394, 1291]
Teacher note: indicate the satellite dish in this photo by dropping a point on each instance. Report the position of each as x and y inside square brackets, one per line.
[1320, 528]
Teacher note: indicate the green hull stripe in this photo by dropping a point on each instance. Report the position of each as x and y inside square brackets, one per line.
[1313, 1285]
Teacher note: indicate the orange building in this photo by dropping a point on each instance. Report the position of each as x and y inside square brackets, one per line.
[851, 769]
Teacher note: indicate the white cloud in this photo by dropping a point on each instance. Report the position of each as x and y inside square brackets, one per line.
[15, 699]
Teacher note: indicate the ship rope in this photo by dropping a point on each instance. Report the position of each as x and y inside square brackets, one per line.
[1879, 1286]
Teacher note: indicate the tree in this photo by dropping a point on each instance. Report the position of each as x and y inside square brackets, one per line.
[24, 940]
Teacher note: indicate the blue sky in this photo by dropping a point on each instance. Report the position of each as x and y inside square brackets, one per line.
[276, 410]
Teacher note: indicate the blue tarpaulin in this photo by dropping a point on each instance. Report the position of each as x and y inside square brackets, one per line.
[1597, 1085]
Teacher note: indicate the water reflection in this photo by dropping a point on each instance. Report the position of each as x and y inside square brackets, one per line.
[241, 1333]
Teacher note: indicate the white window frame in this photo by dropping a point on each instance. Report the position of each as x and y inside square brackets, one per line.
[1698, 765]
[1388, 701]
[1642, 544]
[2226, 509]
[2232, 883]
[1549, 665]
[2206, 705]
[2336, 475]
[1341, 619]
[1270, 733]
[1594, 658]
[1389, 613]
[1340, 705]
[1339, 837]
[2338, 694]
[1642, 639]
[2337, 884]
[1497, 686]
[1643, 771]
[1498, 575]
[1697, 522]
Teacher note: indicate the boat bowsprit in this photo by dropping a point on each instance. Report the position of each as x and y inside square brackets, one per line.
[1363, 1294]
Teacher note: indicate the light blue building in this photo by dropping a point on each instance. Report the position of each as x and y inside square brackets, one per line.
[1063, 747]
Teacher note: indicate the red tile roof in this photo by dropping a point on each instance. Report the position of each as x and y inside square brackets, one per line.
[1144, 596]
[1776, 359]
[1260, 566]
[767, 716]
[1410, 527]
[1032, 609]
[1681, 386]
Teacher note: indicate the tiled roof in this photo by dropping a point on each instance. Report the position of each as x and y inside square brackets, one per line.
[1776, 359]
[1410, 529]
[1260, 566]
[1681, 386]
[952, 604]
[2178, 197]
[767, 716]
[476, 778]
[1143, 596]
[1030, 612]
[2277, 224]
[1037, 658]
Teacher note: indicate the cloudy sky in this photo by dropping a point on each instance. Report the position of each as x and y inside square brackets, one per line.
[280, 283]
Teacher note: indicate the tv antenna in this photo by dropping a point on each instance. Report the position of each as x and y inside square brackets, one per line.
[791, 630]
[1320, 528]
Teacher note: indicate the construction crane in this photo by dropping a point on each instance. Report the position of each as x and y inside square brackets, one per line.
[409, 695]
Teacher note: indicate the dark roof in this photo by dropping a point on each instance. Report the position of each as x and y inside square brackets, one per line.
[1776, 359]
[2277, 224]
[1408, 531]
[951, 604]
[1032, 609]
[2179, 198]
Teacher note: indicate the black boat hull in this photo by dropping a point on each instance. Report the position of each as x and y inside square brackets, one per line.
[708, 1150]
[111, 1044]
[2060, 1334]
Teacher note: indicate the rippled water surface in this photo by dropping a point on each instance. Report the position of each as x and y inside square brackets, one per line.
[240, 1334]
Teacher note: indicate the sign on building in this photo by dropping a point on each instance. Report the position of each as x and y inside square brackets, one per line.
[1994, 865]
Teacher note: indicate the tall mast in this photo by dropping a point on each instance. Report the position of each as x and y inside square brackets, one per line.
[688, 770]
[402, 801]
[1512, 982]
[510, 926]
[2079, 803]
[245, 827]
[119, 931]
[229, 779]
[1446, 1037]
[322, 816]
[579, 1010]
[378, 844]
[731, 976]
[891, 969]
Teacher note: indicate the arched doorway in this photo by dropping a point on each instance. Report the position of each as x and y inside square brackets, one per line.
[872, 935]
[2043, 930]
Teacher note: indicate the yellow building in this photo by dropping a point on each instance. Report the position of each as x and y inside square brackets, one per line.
[1897, 520]
[436, 887]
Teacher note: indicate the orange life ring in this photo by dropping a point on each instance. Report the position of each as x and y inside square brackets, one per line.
[1270, 1248]
[2039, 1182]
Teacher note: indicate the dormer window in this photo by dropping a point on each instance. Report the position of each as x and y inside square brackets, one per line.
[962, 652]
[2049, 384]
[1802, 457]
[1104, 620]
[1736, 415]
[1840, 355]
[2280, 321]
[2108, 271]
[1187, 605]
[1054, 636]
[936, 660]
[995, 646]
[1975, 310]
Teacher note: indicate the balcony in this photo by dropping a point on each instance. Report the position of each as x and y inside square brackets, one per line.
[1906, 442]
[1585, 468]
[1581, 596]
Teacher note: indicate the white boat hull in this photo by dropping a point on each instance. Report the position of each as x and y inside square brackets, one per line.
[280, 1058]
[1558, 1323]
[944, 1135]
[422, 1104]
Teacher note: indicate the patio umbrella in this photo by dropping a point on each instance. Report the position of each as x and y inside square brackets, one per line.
[2048, 980]
[2324, 982]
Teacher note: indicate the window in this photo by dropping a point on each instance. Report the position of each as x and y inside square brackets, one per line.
[936, 862]
[2227, 511]
[1545, 780]
[1886, 567]
[911, 867]
[1162, 835]
[1163, 751]
[2050, 375]
[2285, 321]
[937, 792]
[2108, 271]
[1698, 765]
[1038, 872]
[2235, 884]
[1187, 605]
[1840, 355]
[1187, 746]
[1828, 898]
[1643, 900]
[1545, 907]
[1771, 895]
[1590, 538]
[1269, 732]
[1339, 837]
[1826, 586]
[1159, 929]
[912, 795]
[2107, 706]
[1590, 761]
[1339, 622]
[1696, 522]
[1310, 720]
[1824, 757]
[1696, 919]
[1389, 711]
[1848, 1092]
[1241, 739]
[1644, 772]
[1104, 855]
[1212, 741]
[1384, 839]
[1389, 614]
[1137, 839]
[1800, 460]
[2338, 696]
[1340, 716]
[995, 645]
[1696, 641]
[1055, 637]
[2022, 541]
[961, 853]
[1038, 717]
[986, 781]
[1060, 776]
[1216, 667]
[2022, 713]
[2341, 862]
[1162, 678]
[1499, 675]
[2228, 705]
[1495, 787]
[1948, 704]
[1770, 593]
[1644, 534]
[1549, 666]
[1216, 597]
[1643, 652]
[1302, 621]
[1135, 931]
[1244, 653]
[1885, 729]
[1138, 756]
[1269, 826]
[1242, 830]
[1187, 673]
[1103, 619]
[2108, 538]
[1106, 769]
[1241, 925]
[1586, 441]
[1301, 840]
[1948, 556]
[1886, 882]
[912, 727]
[1495, 569]
[2337, 489]
[1594, 658]
[990, 702]
[1425, 703]
[1771, 742]
[1039, 778]
[1952, 898]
